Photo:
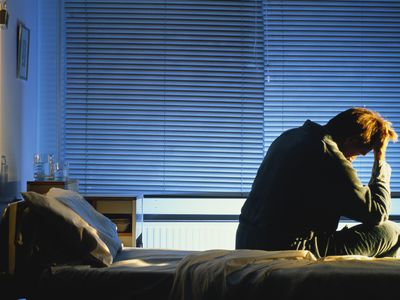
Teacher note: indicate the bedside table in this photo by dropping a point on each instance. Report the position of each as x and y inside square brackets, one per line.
[43, 187]
[118, 209]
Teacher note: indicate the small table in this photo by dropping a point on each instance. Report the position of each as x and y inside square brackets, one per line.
[117, 209]
[44, 186]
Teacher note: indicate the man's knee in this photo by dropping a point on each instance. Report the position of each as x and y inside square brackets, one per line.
[390, 230]
[379, 240]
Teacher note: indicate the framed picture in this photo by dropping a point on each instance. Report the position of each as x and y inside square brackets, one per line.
[22, 52]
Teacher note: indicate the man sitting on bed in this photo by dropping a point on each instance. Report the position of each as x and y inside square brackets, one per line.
[306, 182]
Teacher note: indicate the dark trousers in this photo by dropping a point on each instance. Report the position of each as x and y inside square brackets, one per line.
[374, 241]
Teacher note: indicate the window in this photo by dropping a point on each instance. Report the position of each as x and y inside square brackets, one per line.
[163, 96]
[325, 56]
[186, 96]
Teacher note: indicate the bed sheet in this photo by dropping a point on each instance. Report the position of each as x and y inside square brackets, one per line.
[225, 274]
[284, 275]
[135, 274]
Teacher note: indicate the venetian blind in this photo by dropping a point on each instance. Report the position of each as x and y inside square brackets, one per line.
[326, 56]
[163, 96]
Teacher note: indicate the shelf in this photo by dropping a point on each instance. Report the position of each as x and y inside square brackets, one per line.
[118, 207]
[124, 233]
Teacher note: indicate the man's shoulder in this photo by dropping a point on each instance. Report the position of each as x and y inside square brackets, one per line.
[331, 150]
[314, 127]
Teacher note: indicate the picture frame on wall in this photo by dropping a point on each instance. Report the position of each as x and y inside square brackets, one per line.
[23, 51]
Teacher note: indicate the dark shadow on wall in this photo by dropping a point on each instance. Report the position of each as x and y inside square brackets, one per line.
[8, 192]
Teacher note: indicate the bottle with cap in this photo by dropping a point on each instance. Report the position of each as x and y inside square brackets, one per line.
[38, 167]
[4, 169]
[51, 167]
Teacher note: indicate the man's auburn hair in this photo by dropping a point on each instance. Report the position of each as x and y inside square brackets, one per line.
[361, 122]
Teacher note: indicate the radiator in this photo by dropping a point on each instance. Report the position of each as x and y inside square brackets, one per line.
[189, 235]
[194, 235]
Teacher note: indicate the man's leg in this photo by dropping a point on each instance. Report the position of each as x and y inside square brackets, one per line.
[374, 241]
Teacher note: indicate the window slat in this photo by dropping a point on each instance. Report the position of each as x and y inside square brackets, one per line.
[163, 96]
[327, 56]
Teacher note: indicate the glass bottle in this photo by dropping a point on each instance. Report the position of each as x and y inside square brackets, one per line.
[51, 167]
[38, 167]
[4, 169]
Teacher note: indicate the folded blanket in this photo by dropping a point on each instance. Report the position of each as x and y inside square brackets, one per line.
[231, 274]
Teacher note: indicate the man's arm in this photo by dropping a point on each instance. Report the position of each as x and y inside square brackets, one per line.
[368, 204]
[377, 195]
[380, 148]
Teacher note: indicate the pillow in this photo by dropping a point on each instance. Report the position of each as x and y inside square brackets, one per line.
[105, 228]
[76, 232]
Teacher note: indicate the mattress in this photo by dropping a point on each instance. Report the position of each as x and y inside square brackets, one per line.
[225, 274]
[284, 275]
[135, 274]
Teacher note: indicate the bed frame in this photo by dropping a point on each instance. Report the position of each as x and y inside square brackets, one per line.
[343, 278]
[11, 268]
[9, 237]
[22, 278]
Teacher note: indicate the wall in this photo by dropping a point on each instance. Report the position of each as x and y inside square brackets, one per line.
[50, 77]
[18, 99]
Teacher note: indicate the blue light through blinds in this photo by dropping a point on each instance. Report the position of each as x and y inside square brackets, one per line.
[163, 96]
[325, 56]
